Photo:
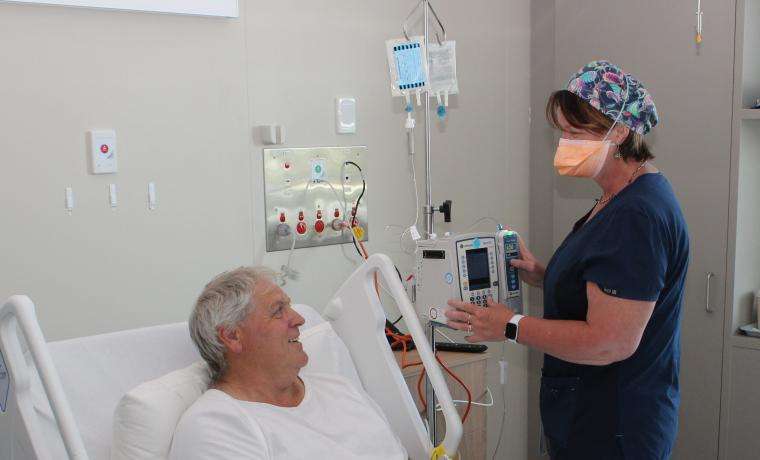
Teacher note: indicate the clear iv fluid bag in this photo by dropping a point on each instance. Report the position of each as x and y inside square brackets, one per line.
[442, 62]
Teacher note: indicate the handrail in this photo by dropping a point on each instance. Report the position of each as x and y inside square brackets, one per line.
[450, 444]
[17, 313]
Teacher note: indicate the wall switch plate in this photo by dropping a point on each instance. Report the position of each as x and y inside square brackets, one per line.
[345, 115]
[103, 152]
[272, 134]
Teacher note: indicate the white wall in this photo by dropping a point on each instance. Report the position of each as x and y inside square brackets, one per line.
[183, 94]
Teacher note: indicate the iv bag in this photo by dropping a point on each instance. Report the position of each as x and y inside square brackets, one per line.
[442, 61]
[407, 64]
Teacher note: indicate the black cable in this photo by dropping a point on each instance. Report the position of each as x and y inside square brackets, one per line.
[400, 278]
[356, 207]
[353, 217]
[355, 210]
[357, 166]
[353, 221]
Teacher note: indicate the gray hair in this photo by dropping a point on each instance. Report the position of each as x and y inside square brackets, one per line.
[224, 303]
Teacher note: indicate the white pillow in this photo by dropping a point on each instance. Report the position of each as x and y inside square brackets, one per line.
[145, 419]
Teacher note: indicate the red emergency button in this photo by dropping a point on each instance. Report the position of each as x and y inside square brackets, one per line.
[300, 215]
[282, 217]
[104, 148]
[336, 213]
[301, 228]
[319, 226]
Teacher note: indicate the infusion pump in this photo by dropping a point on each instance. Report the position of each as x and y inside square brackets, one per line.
[472, 267]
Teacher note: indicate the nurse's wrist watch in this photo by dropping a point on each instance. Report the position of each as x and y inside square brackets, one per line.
[510, 332]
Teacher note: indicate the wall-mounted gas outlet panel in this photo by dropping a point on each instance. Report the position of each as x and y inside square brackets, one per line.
[311, 195]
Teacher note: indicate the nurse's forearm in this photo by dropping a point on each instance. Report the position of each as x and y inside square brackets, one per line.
[572, 341]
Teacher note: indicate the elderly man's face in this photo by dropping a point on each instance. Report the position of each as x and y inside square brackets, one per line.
[270, 332]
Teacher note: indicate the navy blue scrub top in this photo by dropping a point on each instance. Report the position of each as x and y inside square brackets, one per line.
[637, 248]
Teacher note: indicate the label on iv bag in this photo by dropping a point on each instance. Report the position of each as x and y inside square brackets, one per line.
[5, 384]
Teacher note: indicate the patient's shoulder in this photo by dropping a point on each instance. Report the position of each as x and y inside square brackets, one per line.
[215, 427]
[216, 408]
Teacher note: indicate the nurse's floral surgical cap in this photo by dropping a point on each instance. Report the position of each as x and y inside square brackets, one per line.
[605, 86]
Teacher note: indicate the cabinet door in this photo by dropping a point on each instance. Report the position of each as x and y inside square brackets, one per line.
[654, 40]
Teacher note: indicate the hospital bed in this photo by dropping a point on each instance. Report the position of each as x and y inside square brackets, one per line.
[63, 394]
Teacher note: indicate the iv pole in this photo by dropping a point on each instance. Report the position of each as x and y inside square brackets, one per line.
[429, 209]
[429, 393]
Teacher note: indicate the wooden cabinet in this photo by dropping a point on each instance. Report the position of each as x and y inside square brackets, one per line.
[471, 369]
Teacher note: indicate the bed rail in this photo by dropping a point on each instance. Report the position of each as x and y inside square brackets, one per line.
[18, 314]
[361, 333]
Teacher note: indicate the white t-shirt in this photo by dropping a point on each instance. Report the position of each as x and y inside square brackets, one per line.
[335, 420]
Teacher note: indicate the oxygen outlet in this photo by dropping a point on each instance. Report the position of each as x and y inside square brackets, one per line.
[283, 230]
[337, 225]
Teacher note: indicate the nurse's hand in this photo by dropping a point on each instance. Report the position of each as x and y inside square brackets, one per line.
[531, 270]
[483, 324]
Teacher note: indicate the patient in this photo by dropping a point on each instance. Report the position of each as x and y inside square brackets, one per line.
[258, 406]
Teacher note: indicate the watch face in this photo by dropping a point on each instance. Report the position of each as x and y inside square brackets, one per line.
[511, 332]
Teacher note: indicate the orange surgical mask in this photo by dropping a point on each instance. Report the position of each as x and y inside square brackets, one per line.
[581, 158]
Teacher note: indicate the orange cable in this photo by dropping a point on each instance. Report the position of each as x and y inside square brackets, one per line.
[455, 377]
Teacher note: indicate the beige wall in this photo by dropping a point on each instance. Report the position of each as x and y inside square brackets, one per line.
[183, 94]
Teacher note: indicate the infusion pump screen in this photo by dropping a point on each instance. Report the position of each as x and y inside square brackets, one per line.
[478, 275]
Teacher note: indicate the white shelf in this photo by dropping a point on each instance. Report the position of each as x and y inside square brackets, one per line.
[743, 341]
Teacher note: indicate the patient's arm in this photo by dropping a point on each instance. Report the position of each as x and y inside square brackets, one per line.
[221, 432]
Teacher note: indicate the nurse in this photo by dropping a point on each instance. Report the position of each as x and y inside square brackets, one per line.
[613, 291]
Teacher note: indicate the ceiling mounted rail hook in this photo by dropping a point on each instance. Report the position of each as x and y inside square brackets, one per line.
[435, 15]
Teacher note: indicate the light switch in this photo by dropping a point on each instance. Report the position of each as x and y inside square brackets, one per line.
[103, 152]
[345, 115]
